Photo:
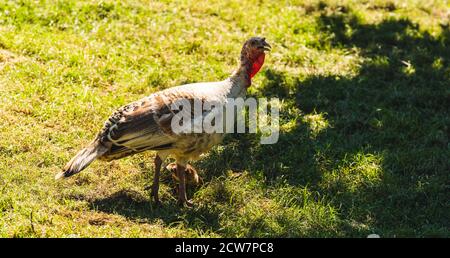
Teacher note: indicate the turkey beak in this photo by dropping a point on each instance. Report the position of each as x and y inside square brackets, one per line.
[265, 46]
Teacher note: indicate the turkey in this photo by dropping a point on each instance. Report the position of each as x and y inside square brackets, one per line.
[146, 124]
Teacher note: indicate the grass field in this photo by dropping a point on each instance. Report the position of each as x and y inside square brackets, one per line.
[364, 142]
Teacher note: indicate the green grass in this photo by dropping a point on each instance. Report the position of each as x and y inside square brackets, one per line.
[364, 123]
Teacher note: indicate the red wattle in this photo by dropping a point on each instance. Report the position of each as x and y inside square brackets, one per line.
[257, 64]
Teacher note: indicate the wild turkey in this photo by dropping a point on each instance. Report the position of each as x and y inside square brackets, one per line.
[146, 124]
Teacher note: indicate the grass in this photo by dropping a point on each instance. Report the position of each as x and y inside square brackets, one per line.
[364, 123]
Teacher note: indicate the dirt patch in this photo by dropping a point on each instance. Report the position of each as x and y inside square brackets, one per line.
[8, 57]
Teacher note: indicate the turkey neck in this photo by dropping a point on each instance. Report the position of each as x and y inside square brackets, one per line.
[241, 79]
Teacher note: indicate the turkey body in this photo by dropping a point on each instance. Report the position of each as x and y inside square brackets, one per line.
[147, 124]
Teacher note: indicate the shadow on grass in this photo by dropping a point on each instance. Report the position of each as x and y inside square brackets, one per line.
[392, 117]
[137, 207]
[396, 108]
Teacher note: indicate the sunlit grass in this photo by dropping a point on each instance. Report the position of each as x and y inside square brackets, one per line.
[363, 126]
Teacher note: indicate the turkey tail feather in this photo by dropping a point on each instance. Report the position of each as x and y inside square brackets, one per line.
[83, 159]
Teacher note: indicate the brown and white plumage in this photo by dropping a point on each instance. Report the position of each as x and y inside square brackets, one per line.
[146, 124]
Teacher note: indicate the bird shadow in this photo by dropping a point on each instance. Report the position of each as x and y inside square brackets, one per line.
[139, 208]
